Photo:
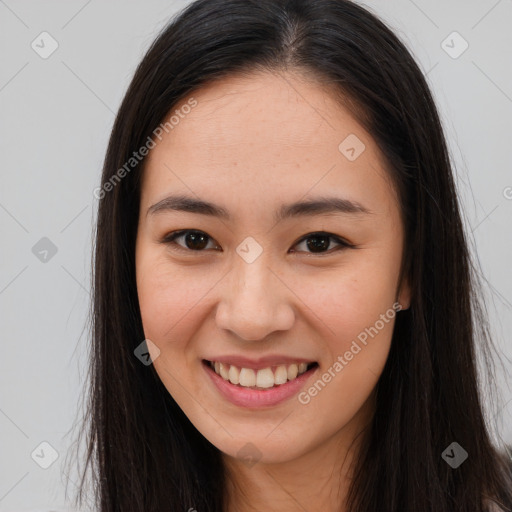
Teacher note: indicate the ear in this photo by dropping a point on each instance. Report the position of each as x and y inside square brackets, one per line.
[404, 294]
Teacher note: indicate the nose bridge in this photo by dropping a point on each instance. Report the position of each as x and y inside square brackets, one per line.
[253, 282]
[254, 302]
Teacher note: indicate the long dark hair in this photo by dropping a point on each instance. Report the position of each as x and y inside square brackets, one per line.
[143, 452]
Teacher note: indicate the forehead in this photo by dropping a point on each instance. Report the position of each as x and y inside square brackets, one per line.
[264, 135]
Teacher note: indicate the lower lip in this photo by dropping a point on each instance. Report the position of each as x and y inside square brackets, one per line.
[256, 398]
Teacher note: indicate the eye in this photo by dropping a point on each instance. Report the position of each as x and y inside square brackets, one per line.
[319, 242]
[196, 241]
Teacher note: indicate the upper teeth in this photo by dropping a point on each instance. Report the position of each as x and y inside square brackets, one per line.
[264, 378]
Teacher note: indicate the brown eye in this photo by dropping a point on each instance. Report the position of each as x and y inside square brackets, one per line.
[318, 243]
[193, 240]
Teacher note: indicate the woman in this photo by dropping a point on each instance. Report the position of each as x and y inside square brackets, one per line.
[284, 299]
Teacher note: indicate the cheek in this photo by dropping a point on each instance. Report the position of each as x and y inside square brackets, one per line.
[347, 300]
[354, 308]
[169, 300]
[171, 303]
[357, 339]
[360, 317]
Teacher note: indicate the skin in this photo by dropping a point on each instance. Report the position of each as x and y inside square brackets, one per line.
[250, 145]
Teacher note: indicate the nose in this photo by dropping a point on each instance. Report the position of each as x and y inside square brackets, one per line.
[255, 302]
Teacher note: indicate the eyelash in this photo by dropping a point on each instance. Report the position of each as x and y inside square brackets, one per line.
[170, 238]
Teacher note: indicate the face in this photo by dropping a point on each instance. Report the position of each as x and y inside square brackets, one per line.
[294, 306]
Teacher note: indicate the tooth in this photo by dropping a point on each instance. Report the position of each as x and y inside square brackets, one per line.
[234, 375]
[292, 371]
[247, 377]
[281, 375]
[224, 371]
[265, 378]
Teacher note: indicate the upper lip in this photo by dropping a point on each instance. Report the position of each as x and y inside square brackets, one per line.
[260, 362]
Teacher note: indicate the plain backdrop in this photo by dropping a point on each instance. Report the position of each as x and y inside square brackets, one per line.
[56, 116]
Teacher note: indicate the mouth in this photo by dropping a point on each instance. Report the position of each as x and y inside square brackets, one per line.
[261, 386]
[260, 379]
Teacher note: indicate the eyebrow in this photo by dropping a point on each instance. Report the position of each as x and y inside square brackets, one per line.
[311, 207]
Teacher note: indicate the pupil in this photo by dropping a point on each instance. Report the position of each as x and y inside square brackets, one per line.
[321, 242]
[196, 240]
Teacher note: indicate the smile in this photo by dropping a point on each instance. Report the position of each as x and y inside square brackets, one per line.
[259, 379]
[258, 387]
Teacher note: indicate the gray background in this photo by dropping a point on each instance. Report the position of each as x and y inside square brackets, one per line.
[56, 115]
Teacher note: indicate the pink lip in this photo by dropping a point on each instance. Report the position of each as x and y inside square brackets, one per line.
[256, 398]
[259, 363]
